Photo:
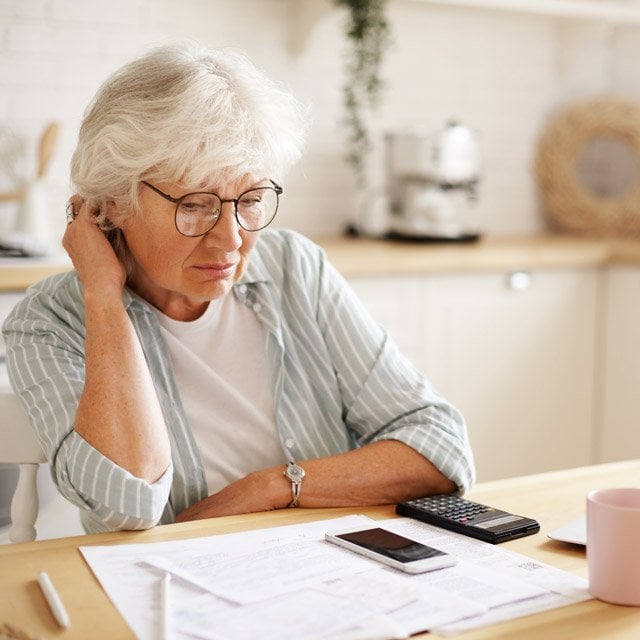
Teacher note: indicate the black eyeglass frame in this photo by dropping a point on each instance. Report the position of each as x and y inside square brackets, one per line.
[275, 187]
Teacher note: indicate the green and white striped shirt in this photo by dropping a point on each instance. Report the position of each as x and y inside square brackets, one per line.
[338, 382]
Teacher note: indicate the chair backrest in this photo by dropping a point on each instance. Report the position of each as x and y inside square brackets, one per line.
[20, 446]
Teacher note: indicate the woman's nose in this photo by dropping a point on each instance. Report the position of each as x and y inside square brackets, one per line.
[226, 232]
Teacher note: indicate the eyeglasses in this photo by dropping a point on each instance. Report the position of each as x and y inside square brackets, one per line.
[197, 213]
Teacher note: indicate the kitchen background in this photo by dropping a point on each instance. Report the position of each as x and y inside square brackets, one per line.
[502, 73]
[537, 374]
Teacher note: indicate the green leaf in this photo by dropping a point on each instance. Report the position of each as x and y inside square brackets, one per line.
[367, 31]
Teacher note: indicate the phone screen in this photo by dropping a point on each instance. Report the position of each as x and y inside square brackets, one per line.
[391, 545]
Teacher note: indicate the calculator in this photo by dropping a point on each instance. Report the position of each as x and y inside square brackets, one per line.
[469, 518]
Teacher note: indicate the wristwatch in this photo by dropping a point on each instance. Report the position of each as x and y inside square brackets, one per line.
[295, 473]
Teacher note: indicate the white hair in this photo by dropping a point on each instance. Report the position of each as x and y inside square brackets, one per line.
[187, 115]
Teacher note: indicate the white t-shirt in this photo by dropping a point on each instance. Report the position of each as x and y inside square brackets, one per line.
[221, 371]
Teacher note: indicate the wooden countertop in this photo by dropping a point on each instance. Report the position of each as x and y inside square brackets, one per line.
[355, 257]
[552, 498]
[16, 274]
[359, 257]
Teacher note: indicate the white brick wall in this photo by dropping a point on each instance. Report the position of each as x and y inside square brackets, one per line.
[503, 74]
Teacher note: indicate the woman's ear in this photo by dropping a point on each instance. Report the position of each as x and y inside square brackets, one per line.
[76, 202]
[112, 213]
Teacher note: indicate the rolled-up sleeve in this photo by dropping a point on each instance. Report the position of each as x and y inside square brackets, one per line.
[384, 395]
[45, 360]
[116, 499]
[396, 402]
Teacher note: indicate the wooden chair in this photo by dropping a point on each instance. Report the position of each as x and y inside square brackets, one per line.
[20, 446]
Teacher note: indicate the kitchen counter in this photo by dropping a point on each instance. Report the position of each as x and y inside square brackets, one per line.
[369, 257]
[625, 252]
[355, 257]
[16, 274]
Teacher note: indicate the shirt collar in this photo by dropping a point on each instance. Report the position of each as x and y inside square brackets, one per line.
[257, 270]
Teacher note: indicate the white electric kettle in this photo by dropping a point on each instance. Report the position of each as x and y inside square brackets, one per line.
[455, 155]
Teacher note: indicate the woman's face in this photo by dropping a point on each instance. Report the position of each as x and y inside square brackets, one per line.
[177, 274]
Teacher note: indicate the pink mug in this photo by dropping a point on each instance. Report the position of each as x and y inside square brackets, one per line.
[613, 545]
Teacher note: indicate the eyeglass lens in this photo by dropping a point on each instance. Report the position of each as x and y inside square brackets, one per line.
[197, 213]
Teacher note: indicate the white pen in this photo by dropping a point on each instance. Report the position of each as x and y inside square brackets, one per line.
[165, 599]
[53, 600]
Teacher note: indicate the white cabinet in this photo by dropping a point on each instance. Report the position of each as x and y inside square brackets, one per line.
[395, 302]
[515, 352]
[518, 359]
[619, 436]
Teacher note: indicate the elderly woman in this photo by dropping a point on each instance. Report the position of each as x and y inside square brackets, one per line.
[192, 364]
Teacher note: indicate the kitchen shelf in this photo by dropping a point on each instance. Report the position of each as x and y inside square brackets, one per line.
[305, 14]
[617, 11]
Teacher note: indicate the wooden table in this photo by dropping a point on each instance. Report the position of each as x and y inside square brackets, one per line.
[551, 498]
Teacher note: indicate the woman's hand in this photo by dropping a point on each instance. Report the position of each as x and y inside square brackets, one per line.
[91, 253]
[259, 491]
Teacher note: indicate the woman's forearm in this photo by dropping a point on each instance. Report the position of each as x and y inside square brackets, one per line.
[119, 413]
[383, 472]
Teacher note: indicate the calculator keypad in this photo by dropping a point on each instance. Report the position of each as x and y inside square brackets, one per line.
[451, 507]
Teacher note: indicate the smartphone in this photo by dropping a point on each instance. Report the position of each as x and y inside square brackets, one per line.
[392, 549]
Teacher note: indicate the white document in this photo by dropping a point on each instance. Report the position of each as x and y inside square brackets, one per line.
[558, 588]
[510, 611]
[125, 573]
[240, 570]
[493, 557]
[288, 581]
[308, 614]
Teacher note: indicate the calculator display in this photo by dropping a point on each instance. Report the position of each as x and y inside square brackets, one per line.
[496, 522]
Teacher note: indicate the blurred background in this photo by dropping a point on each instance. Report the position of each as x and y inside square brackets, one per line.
[503, 73]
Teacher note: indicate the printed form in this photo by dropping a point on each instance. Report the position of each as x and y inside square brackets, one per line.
[289, 581]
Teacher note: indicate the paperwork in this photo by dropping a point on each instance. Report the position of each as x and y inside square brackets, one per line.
[289, 581]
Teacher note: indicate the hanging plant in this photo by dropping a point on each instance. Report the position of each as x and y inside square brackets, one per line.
[367, 30]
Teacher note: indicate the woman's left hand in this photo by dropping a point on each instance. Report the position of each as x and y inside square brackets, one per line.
[92, 255]
[259, 491]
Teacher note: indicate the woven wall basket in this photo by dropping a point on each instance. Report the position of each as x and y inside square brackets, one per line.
[568, 203]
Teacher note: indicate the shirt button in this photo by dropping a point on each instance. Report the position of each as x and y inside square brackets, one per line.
[289, 443]
[242, 288]
[257, 307]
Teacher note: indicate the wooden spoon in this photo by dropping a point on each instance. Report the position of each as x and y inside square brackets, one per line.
[47, 144]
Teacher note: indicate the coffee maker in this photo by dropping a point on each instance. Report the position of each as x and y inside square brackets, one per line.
[432, 181]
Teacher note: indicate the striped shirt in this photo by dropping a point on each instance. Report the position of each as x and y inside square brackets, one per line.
[338, 383]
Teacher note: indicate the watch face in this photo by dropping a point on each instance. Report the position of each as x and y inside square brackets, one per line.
[295, 473]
